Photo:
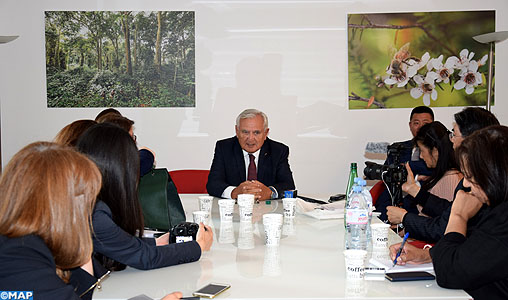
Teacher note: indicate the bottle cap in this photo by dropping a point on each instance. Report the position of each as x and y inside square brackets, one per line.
[357, 189]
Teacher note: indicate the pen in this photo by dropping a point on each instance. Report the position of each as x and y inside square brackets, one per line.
[400, 249]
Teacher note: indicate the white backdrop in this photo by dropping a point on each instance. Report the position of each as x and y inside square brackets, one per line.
[287, 58]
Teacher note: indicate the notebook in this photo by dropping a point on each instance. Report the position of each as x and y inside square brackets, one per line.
[388, 266]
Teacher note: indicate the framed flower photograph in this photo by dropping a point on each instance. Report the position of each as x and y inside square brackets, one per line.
[398, 60]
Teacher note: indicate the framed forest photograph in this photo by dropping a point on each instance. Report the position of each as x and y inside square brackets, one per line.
[120, 58]
[398, 60]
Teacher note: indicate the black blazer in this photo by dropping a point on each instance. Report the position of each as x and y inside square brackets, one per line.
[26, 264]
[228, 167]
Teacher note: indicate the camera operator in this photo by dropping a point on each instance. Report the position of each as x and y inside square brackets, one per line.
[419, 116]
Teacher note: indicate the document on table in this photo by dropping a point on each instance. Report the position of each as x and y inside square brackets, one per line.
[388, 266]
[333, 210]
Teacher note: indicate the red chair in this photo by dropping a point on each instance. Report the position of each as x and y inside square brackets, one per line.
[190, 181]
[376, 190]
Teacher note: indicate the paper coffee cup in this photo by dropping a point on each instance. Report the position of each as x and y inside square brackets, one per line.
[379, 235]
[355, 263]
[246, 204]
[205, 203]
[200, 216]
[289, 207]
[226, 208]
[273, 228]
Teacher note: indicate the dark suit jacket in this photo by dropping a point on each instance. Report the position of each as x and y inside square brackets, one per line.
[228, 167]
[27, 264]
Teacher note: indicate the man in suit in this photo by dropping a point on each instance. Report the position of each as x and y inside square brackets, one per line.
[250, 162]
[419, 116]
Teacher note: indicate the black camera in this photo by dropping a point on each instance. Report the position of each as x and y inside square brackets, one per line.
[394, 174]
[183, 232]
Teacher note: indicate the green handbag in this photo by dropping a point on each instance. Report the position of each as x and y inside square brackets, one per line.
[161, 205]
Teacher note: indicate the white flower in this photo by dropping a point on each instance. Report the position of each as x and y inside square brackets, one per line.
[465, 58]
[482, 61]
[415, 65]
[443, 71]
[425, 87]
[469, 78]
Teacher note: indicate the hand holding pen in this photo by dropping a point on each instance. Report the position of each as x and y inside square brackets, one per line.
[400, 248]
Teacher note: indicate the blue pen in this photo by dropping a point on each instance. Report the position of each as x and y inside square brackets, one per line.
[400, 249]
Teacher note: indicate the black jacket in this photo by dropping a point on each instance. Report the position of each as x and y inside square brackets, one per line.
[477, 263]
[111, 241]
[27, 264]
[228, 167]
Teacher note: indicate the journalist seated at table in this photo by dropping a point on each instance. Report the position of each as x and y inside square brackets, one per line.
[250, 162]
[429, 229]
[117, 220]
[474, 259]
[436, 150]
[47, 192]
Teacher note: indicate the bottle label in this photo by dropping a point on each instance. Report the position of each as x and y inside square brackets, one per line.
[357, 216]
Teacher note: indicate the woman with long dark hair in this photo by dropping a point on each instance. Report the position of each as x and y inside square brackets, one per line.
[436, 150]
[117, 218]
[474, 259]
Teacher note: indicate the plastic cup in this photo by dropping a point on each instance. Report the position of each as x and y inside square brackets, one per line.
[200, 216]
[246, 236]
[205, 203]
[246, 204]
[379, 235]
[226, 208]
[273, 228]
[289, 207]
[355, 263]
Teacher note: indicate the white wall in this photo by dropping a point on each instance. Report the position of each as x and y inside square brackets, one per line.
[287, 58]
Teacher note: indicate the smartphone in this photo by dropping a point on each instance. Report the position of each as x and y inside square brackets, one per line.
[211, 290]
[408, 276]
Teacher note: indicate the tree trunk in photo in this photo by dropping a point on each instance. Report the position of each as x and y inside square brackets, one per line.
[126, 33]
[174, 76]
[99, 53]
[56, 57]
[157, 59]
[135, 46]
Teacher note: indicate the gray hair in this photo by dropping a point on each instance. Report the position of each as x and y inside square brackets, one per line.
[252, 113]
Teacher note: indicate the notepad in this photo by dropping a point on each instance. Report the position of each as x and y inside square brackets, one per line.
[388, 266]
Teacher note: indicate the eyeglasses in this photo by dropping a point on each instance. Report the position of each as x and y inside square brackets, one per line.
[452, 134]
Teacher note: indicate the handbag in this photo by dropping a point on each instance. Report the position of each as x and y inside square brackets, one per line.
[160, 202]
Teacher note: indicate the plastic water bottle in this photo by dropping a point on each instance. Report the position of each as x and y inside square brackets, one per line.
[348, 196]
[353, 173]
[368, 198]
[357, 220]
